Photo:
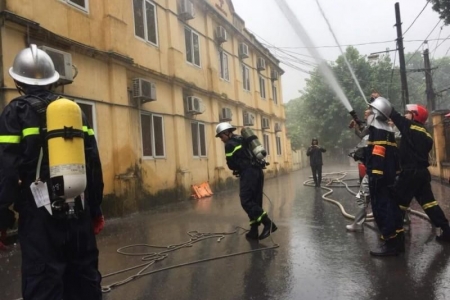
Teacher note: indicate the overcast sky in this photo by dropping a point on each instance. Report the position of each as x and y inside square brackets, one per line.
[352, 21]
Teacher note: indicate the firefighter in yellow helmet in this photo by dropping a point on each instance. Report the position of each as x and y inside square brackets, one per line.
[59, 250]
[249, 169]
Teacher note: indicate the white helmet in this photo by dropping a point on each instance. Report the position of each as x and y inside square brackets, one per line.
[224, 126]
[33, 66]
[382, 107]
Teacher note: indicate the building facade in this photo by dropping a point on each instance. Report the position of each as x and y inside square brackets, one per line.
[155, 78]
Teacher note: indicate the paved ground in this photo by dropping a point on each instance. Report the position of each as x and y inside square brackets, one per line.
[314, 258]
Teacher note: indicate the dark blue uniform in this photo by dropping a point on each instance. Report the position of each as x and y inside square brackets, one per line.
[382, 166]
[59, 255]
[251, 175]
[415, 179]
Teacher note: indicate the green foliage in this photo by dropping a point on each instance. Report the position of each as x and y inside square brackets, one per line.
[443, 8]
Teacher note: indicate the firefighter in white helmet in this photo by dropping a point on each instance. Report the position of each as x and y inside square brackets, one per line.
[248, 166]
[59, 250]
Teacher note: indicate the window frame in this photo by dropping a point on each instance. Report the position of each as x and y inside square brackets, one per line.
[71, 3]
[93, 123]
[274, 93]
[145, 25]
[278, 142]
[192, 33]
[223, 56]
[153, 154]
[199, 142]
[262, 87]
[246, 79]
[266, 142]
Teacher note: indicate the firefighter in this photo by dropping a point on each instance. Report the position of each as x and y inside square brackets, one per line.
[59, 250]
[382, 166]
[415, 179]
[315, 160]
[249, 169]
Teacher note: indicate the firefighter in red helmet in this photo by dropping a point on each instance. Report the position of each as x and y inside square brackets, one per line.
[415, 179]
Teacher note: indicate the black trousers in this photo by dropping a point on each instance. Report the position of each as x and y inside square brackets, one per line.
[385, 210]
[416, 183]
[317, 174]
[59, 257]
[251, 186]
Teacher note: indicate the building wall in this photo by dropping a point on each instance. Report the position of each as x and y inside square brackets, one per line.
[108, 55]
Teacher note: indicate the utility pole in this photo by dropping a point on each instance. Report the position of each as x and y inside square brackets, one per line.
[401, 55]
[429, 81]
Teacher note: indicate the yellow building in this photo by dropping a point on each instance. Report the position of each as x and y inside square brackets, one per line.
[155, 78]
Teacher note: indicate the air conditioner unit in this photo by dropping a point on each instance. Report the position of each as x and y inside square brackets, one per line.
[63, 63]
[277, 127]
[273, 75]
[225, 114]
[194, 105]
[265, 123]
[187, 11]
[144, 90]
[261, 64]
[249, 119]
[243, 50]
[221, 35]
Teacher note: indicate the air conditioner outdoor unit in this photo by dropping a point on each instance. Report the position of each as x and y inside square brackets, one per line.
[194, 105]
[144, 90]
[249, 119]
[243, 50]
[261, 64]
[273, 75]
[187, 11]
[265, 123]
[63, 63]
[221, 34]
[226, 114]
[277, 127]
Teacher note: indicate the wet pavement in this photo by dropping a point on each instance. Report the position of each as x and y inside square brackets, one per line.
[311, 256]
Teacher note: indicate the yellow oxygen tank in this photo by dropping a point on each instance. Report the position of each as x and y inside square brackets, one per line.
[65, 140]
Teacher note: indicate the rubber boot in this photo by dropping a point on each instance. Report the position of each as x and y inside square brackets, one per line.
[445, 235]
[401, 242]
[388, 248]
[253, 232]
[357, 225]
[269, 227]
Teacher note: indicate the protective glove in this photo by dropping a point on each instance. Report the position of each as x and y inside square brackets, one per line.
[98, 223]
[352, 124]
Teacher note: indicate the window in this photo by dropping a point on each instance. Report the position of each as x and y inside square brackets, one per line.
[262, 87]
[81, 4]
[145, 24]
[278, 145]
[223, 65]
[246, 77]
[192, 46]
[152, 130]
[198, 139]
[266, 143]
[274, 94]
[88, 109]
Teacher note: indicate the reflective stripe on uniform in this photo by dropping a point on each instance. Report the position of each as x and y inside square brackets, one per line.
[377, 172]
[379, 150]
[30, 131]
[10, 139]
[89, 131]
[393, 144]
[234, 150]
[258, 220]
[429, 205]
[421, 129]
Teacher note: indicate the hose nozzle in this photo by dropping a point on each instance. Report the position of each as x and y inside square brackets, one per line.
[357, 120]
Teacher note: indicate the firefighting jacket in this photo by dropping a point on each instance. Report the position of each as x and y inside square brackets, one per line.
[22, 135]
[382, 155]
[415, 142]
[237, 154]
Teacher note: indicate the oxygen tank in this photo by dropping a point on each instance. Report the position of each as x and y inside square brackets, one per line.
[66, 150]
[255, 146]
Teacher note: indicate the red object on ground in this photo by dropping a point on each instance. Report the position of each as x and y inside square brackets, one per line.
[362, 170]
[98, 224]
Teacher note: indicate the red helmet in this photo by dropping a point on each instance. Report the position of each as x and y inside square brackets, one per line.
[420, 113]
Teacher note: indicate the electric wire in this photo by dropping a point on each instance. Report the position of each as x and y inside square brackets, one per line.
[417, 17]
[437, 42]
[392, 71]
[415, 52]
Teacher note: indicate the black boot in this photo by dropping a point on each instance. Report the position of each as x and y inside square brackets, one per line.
[253, 232]
[388, 248]
[269, 227]
[401, 242]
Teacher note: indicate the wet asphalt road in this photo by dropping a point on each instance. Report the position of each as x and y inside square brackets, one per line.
[311, 256]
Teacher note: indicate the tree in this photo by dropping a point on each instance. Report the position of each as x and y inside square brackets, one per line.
[443, 8]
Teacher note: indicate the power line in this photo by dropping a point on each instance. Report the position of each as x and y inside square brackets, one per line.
[417, 17]
[415, 52]
[440, 31]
